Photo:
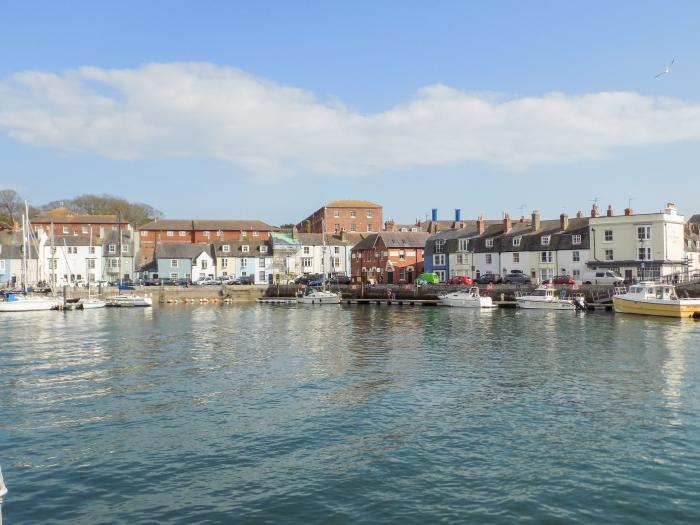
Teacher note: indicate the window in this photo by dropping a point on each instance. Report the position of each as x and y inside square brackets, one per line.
[336, 262]
[263, 249]
[336, 249]
[90, 263]
[576, 256]
[224, 262]
[114, 263]
[2, 264]
[336, 214]
[463, 243]
[575, 239]
[414, 229]
[644, 253]
[369, 227]
[244, 262]
[576, 274]
[86, 230]
[174, 275]
[402, 255]
[245, 248]
[439, 259]
[204, 264]
[66, 230]
[440, 246]
[608, 235]
[460, 258]
[174, 263]
[546, 257]
[91, 250]
[261, 275]
[609, 255]
[644, 232]
[206, 233]
[489, 258]
[516, 241]
[226, 248]
[112, 248]
[182, 233]
[125, 248]
[353, 227]
[306, 250]
[353, 214]
[489, 243]
[307, 262]
[516, 257]
[369, 214]
[256, 234]
[144, 233]
[545, 240]
[169, 233]
[336, 228]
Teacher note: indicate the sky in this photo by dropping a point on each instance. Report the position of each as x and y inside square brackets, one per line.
[267, 110]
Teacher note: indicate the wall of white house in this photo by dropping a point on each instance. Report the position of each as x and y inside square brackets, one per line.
[203, 266]
[260, 267]
[72, 264]
[310, 259]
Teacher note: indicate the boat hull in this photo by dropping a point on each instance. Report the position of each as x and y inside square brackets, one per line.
[128, 301]
[28, 305]
[679, 308]
[91, 304]
[329, 298]
[474, 302]
[529, 304]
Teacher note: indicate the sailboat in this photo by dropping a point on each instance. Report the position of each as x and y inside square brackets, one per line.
[24, 301]
[122, 299]
[321, 295]
[91, 302]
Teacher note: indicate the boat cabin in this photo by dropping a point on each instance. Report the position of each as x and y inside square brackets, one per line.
[653, 291]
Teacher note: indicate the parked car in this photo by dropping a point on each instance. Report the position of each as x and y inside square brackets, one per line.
[228, 280]
[561, 279]
[428, 278]
[303, 279]
[206, 281]
[340, 279]
[602, 277]
[489, 278]
[516, 278]
[460, 279]
[244, 279]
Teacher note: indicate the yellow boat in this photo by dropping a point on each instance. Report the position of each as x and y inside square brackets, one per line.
[648, 298]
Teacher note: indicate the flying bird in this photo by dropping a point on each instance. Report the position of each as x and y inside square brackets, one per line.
[667, 70]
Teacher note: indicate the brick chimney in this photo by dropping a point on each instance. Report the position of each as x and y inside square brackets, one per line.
[594, 211]
[480, 226]
[344, 235]
[536, 220]
[564, 221]
[628, 211]
[579, 214]
[610, 210]
[389, 226]
[507, 223]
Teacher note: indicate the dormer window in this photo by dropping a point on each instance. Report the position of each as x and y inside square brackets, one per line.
[489, 243]
[206, 233]
[245, 248]
[575, 239]
[256, 234]
[183, 233]
[263, 249]
[169, 233]
[112, 248]
[226, 248]
[545, 240]
[440, 246]
[516, 241]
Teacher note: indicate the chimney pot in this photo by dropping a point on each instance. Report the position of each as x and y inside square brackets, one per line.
[564, 221]
[480, 225]
[628, 211]
[507, 223]
[594, 211]
[579, 214]
[536, 220]
[610, 210]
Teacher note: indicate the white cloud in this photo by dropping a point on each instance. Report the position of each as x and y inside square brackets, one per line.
[274, 131]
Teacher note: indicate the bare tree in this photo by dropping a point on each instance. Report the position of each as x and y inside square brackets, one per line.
[10, 206]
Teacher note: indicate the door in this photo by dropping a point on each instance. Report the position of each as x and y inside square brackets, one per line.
[390, 277]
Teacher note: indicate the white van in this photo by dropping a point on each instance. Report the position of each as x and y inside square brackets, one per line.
[601, 277]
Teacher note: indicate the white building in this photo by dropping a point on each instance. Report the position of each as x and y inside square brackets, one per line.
[244, 258]
[71, 260]
[334, 258]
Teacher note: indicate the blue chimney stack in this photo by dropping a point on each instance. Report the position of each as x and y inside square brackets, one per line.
[434, 214]
[458, 215]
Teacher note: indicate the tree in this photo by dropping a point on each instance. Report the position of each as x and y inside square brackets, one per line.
[10, 206]
[136, 213]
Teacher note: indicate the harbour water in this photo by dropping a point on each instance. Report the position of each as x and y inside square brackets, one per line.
[352, 414]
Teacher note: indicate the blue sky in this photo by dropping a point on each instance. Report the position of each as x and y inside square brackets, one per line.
[372, 60]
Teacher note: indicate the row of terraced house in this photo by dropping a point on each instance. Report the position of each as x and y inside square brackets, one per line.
[349, 237]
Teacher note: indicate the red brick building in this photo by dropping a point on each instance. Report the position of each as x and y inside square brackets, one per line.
[349, 215]
[389, 257]
[198, 231]
[65, 222]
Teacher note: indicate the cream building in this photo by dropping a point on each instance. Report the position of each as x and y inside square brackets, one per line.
[646, 245]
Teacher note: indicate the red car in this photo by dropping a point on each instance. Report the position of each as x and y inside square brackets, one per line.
[561, 279]
[460, 279]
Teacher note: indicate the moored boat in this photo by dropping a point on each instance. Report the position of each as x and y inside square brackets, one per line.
[129, 301]
[648, 298]
[466, 299]
[315, 296]
[545, 297]
[18, 303]
[92, 303]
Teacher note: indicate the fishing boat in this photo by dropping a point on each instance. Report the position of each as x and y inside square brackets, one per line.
[649, 298]
[545, 297]
[466, 299]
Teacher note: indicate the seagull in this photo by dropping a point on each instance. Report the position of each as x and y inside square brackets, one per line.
[667, 70]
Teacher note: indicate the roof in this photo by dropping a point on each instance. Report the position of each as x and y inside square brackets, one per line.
[235, 247]
[14, 251]
[316, 239]
[65, 216]
[393, 240]
[349, 203]
[207, 224]
[695, 219]
[532, 240]
[181, 250]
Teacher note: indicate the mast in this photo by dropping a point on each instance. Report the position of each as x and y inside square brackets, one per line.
[119, 247]
[24, 254]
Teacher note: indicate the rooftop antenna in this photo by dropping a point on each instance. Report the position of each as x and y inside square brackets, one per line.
[522, 209]
[595, 200]
[629, 201]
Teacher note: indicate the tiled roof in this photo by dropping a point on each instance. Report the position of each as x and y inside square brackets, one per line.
[211, 225]
[348, 203]
[235, 248]
[394, 240]
[58, 216]
[181, 250]
[316, 239]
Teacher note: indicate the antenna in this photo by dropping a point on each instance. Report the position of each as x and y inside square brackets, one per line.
[522, 209]
[629, 201]
[595, 200]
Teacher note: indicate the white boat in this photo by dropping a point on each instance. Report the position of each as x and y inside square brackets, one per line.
[17, 303]
[129, 300]
[91, 303]
[315, 296]
[545, 297]
[648, 298]
[466, 299]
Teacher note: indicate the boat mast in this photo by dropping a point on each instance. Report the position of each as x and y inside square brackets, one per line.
[24, 254]
[119, 247]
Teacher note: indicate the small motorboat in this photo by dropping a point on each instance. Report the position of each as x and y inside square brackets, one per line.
[545, 297]
[27, 303]
[129, 301]
[649, 298]
[92, 303]
[466, 299]
[316, 296]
